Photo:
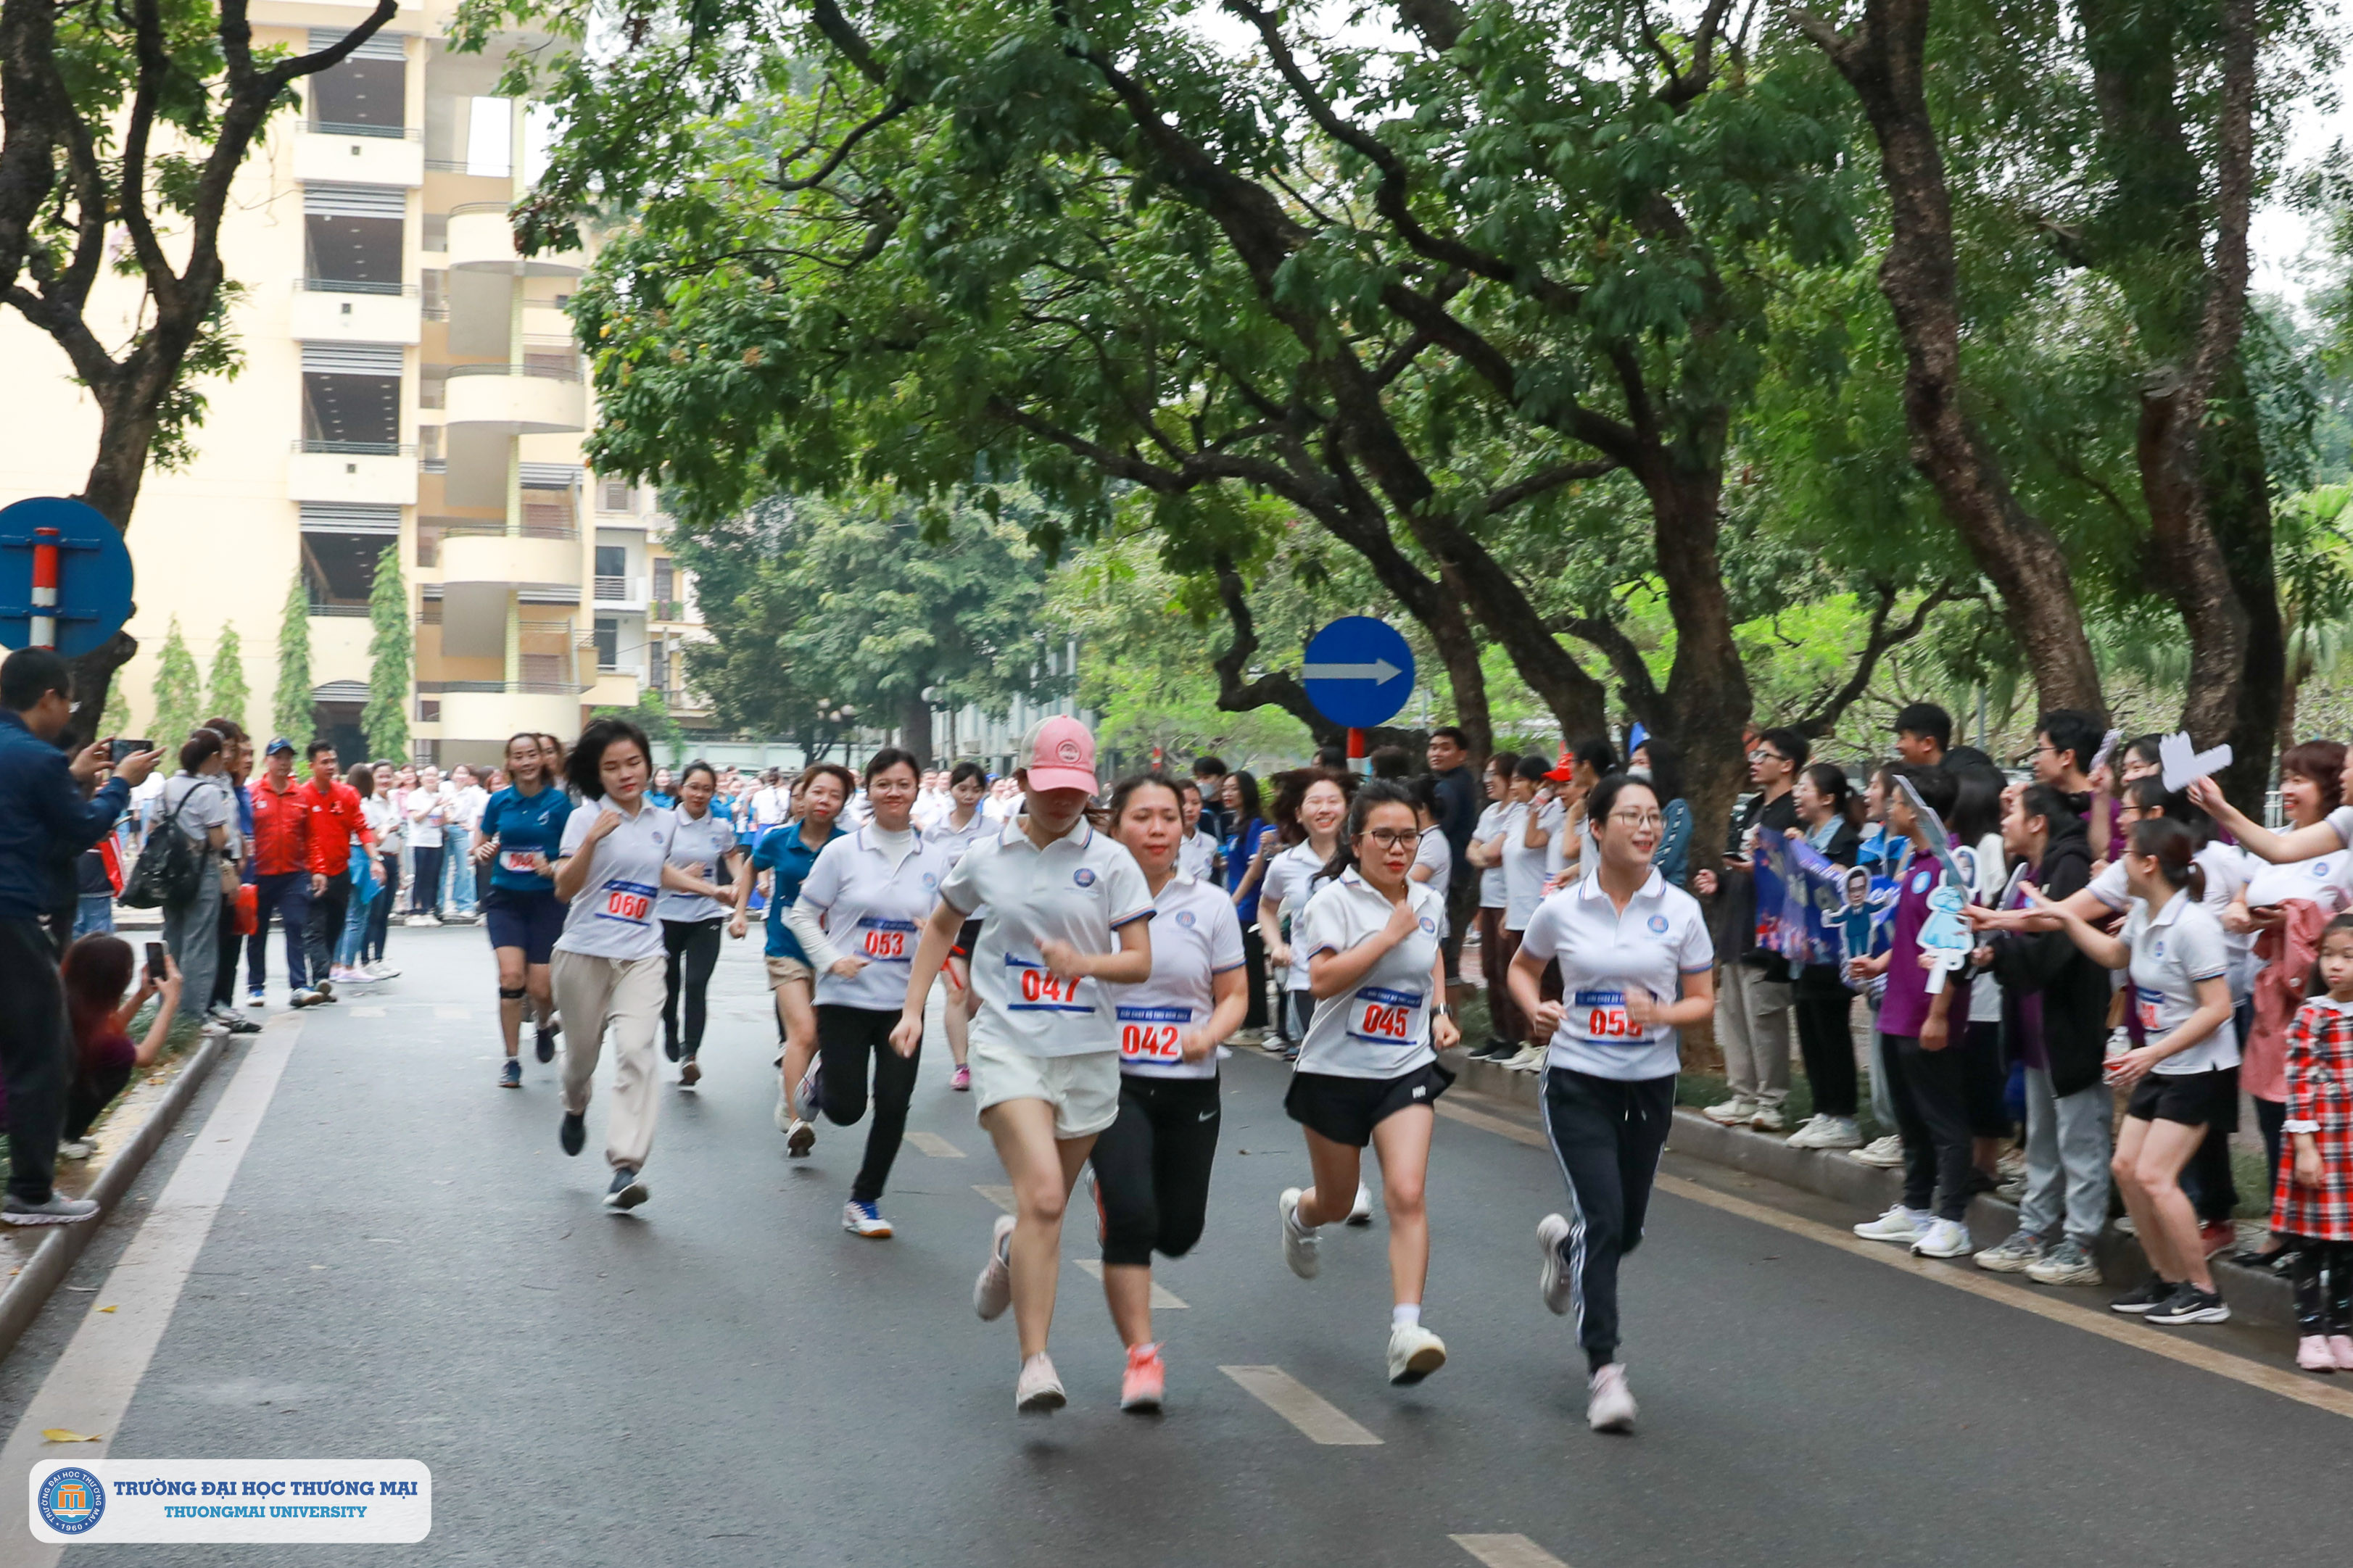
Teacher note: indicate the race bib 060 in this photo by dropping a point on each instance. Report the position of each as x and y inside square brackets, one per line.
[518, 860]
[630, 904]
[1383, 1017]
[1151, 1034]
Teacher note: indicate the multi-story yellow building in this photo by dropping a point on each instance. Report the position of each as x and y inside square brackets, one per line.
[409, 383]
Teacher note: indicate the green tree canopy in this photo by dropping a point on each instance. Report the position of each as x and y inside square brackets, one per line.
[392, 660]
[179, 698]
[290, 705]
[227, 693]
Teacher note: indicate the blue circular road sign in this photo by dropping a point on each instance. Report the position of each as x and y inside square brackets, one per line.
[93, 574]
[1359, 671]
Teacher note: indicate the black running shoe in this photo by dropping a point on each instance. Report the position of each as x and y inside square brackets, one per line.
[627, 1190]
[544, 1039]
[2155, 1293]
[670, 1047]
[2191, 1305]
[573, 1133]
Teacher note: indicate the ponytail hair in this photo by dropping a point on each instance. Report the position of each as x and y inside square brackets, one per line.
[1128, 786]
[2175, 849]
[1370, 794]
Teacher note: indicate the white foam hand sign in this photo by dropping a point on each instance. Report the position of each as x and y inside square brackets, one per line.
[2184, 767]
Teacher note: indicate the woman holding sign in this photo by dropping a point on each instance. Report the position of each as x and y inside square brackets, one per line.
[1636, 966]
[608, 963]
[1152, 1166]
[522, 829]
[1368, 1070]
[859, 914]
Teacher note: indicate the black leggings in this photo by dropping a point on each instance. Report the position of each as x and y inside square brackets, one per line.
[846, 1038]
[1254, 965]
[1824, 1041]
[1608, 1134]
[1932, 1110]
[697, 942]
[425, 895]
[1152, 1167]
[2322, 1307]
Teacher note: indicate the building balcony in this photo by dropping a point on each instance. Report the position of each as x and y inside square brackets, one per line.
[482, 239]
[613, 689]
[326, 309]
[360, 154]
[625, 595]
[381, 472]
[538, 557]
[518, 399]
[493, 709]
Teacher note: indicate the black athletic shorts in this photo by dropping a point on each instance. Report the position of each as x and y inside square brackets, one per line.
[531, 921]
[2208, 1099]
[968, 939]
[1347, 1109]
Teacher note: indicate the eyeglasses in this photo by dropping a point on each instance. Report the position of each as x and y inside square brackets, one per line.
[1394, 837]
[1638, 818]
[1766, 754]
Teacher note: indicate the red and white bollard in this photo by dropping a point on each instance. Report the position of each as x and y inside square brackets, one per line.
[1356, 751]
[45, 587]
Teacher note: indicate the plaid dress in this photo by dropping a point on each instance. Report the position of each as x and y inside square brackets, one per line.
[2319, 1093]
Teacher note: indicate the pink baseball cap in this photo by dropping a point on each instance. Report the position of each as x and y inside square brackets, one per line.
[1060, 754]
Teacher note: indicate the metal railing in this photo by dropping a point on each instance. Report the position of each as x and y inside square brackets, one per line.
[353, 612]
[357, 448]
[481, 208]
[528, 529]
[499, 687]
[385, 133]
[351, 286]
[613, 590]
[540, 372]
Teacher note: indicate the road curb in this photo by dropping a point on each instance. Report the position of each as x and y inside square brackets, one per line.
[2255, 1296]
[30, 1291]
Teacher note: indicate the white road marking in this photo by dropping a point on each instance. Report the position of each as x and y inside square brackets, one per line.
[1507, 1552]
[1163, 1298]
[1002, 1197]
[1323, 1421]
[90, 1386]
[2277, 1380]
[368, 1012]
[937, 1147]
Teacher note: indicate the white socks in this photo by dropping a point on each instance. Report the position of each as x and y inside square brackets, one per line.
[1405, 1314]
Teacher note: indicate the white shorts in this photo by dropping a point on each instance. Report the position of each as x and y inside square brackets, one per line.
[1082, 1089]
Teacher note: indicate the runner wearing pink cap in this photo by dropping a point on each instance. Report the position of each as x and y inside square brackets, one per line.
[1068, 913]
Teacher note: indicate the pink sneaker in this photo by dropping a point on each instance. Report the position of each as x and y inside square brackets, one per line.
[1146, 1380]
[2341, 1345]
[960, 1079]
[2313, 1354]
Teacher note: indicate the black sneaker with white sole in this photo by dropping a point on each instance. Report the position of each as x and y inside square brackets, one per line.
[628, 1191]
[544, 1039]
[2154, 1293]
[573, 1133]
[2191, 1305]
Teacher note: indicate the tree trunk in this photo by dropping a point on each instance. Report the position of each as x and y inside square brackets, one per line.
[1707, 697]
[1885, 61]
[915, 729]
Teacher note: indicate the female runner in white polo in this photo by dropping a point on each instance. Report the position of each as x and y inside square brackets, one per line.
[1067, 915]
[1636, 966]
[857, 917]
[1152, 1166]
[1368, 1070]
[608, 962]
[955, 830]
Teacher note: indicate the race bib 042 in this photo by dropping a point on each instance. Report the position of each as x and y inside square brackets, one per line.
[1153, 1033]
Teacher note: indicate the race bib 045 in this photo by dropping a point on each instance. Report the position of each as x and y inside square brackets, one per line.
[1384, 1018]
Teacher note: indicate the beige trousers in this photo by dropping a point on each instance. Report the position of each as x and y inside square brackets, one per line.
[626, 994]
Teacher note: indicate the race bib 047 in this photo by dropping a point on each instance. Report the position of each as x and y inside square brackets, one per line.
[1032, 987]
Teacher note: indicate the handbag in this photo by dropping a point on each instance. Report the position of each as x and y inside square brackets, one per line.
[167, 869]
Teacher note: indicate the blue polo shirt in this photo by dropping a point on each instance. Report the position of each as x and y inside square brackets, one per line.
[521, 824]
[782, 851]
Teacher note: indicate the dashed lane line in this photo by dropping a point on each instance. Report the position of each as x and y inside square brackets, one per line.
[1163, 1298]
[1320, 1420]
[1507, 1552]
[2136, 1335]
[937, 1147]
[1001, 1195]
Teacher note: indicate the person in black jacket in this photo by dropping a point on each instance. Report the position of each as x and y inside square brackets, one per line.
[1827, 814]
[2054, 1014]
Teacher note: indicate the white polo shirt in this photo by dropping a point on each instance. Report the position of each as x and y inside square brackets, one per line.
[614, 915]
[1195, 936]
[1660, 937]
[1379, 1028]
[1198, 854]
[697, 846]
[2229, 872]
[1438, 854]
[1490, 877]
[957, 842]
[1525, 869]
[1295, 877]
[1080, 888]
[872, 904]
[2172, 951]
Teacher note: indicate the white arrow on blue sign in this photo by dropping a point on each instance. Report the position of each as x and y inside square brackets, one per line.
[1358, 671]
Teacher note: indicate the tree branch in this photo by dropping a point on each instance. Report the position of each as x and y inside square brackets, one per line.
[1875, 644]
[1272, 689]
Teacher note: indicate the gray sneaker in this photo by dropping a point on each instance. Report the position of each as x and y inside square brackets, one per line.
[59, 1210]
[2021, 1251]
[2069, 1263]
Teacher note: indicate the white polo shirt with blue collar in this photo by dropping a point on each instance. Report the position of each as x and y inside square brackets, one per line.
[1604, 952]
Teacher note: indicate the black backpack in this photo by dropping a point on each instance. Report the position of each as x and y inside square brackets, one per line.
[168, 870]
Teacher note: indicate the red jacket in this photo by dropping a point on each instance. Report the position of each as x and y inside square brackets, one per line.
[336, 820]
[281, 829]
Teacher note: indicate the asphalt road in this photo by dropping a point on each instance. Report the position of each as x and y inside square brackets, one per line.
[406, 1266]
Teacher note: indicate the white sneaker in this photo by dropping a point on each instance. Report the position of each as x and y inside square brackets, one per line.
[1530, 1059]
[784, 1116]
[212, 1029]
[1898, 1223]
[1944, 1238]
[379, 969]
[864, 1219]
[1735, 1113]
[1361, 1211]
[1298, 1240]
[993, 1291]
[1887, 1153]
[1768, 1118]
[1414, 1352]
[1040, 1392]
[76, 1149]
[1554, 1282]
[1611, 1408]
[1826, 1132]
